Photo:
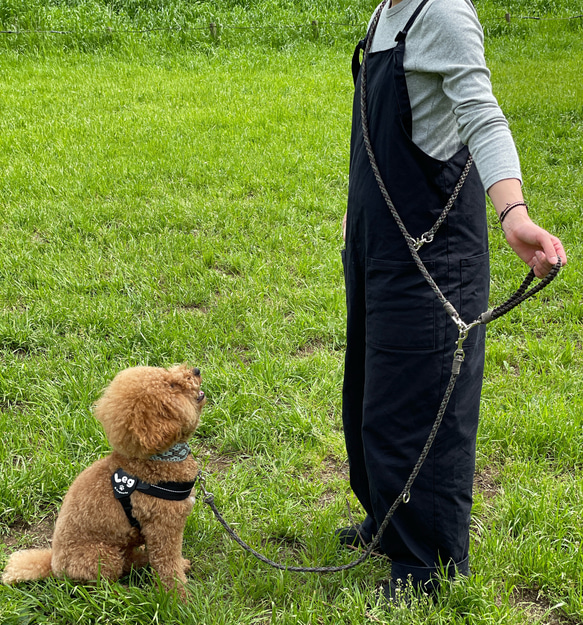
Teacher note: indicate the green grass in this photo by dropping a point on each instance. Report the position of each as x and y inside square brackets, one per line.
[165, 25]
[170, 200]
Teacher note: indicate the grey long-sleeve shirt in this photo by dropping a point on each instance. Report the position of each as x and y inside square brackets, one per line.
[449, 85]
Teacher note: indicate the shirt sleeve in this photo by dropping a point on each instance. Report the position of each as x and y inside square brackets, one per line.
[451, 44]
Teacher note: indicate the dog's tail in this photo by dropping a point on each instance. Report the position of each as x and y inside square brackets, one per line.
[28, 565]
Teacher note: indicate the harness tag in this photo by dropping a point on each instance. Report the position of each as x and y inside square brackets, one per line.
[123, 484]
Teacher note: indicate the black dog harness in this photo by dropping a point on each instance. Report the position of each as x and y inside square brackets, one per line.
[125, 484]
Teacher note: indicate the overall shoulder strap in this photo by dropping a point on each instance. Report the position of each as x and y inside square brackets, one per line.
[403, 33]
[361, 45]
[124, 485]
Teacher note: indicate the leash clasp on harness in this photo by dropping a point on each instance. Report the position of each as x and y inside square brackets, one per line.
[208, 497]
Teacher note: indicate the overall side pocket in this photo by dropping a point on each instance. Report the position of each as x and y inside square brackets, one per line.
[400, 306]
[475, 290]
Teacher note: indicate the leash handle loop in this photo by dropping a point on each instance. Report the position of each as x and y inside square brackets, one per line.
[520, 295]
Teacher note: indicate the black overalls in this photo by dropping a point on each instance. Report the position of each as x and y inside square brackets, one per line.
[400, 341]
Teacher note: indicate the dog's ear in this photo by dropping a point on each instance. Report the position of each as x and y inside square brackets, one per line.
[146, 410]
[139, 412]
[154, 424]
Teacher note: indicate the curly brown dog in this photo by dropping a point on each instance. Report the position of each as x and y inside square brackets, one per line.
[138, 495]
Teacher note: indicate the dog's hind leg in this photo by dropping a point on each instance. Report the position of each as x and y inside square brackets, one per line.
[89, 562]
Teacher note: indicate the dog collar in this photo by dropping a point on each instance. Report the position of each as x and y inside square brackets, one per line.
[177, 453]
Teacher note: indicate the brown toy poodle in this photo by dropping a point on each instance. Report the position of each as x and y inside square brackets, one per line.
[138, 495]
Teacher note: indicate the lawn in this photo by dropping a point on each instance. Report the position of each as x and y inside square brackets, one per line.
[169, 197]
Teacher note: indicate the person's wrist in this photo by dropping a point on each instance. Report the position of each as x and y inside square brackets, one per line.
[510, 206]
[514, 218]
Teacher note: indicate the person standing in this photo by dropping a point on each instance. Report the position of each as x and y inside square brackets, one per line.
[429, 106]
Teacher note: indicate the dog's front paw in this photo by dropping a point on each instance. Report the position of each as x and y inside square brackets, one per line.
[182, 592]
[185, 565]
[179, 587]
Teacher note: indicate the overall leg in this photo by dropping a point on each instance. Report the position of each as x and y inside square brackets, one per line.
[354, 377]
[410, 345]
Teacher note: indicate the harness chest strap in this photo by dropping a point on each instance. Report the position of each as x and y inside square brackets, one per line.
[124, 485]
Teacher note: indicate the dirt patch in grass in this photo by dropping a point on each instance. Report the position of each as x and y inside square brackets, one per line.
[211, 461]
[12, 406]
[310, 348]
[333, 468]
[287, 547]
[485, 482]
[326, 498]
[202, 309]
[538, 608]
[31, 535]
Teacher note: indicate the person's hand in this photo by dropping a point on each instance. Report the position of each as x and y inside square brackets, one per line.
[535, 246]
[344, 227]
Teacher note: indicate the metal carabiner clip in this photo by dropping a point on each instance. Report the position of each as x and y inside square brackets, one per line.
[422, 240]
[459, 354]
[463, 335]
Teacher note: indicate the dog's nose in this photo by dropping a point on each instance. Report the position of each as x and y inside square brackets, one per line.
[196, 371]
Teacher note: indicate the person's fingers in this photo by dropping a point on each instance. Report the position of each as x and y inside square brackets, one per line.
[541, 266]
[548, 249]
[560, 250]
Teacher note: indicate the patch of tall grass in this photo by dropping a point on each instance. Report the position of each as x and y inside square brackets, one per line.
[123, 25]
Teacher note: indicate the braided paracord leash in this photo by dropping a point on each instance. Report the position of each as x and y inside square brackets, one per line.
[519, 296]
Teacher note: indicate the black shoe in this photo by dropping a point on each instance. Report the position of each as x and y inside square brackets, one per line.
[357, 536]
[360, 534]
[353, 536]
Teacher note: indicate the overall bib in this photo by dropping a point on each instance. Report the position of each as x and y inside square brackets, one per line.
[400, 341]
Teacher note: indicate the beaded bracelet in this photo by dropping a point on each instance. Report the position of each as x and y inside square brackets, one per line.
[509, 207]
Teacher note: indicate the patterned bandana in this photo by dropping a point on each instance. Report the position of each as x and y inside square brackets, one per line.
[177, 453]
